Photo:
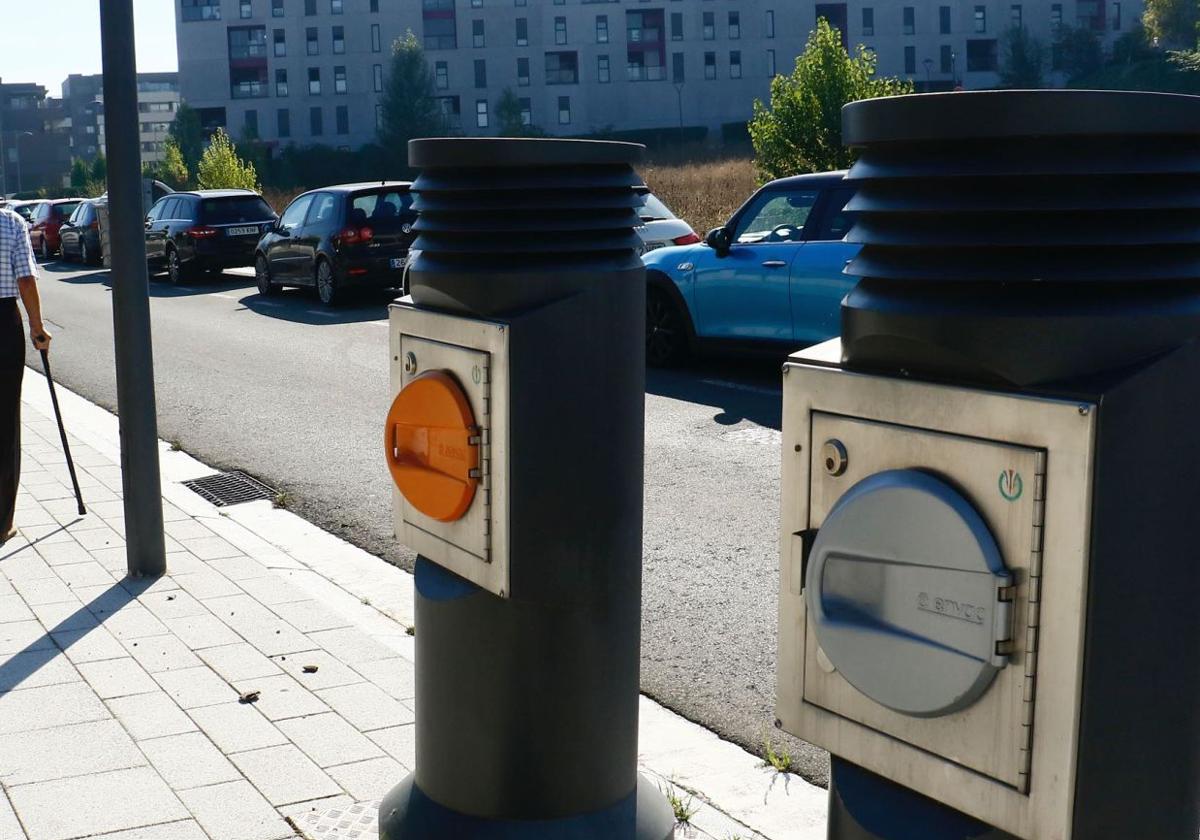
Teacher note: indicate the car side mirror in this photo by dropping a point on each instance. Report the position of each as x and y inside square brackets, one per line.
[282, 231]
[718, 240]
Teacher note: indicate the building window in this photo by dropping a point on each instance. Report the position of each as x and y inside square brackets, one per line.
[1055, 19]
[280, 43]
[335, 7]
[981, 55]
[868, 21]
[441, 75]
[710, 27]
[440, 24]
[523, 72]
[601, 29]
[1016, 15]
[276, 8]
[770, 64]
[526, 111]
[676, 26]
[481, 113]
[735, 26]
[980, 19]
[944, 20]
[376, 40]
[1116, 7]
[448, 105]
[378, 117]
[564, 110]
[310, 8]
[770, 26]
[522, 32]
[342, 116]
[677, 68]
[910, 60]
[710, 65]
[480, 73]
[250, 123]
[477, 39]
[910, 20]
[735, 64]
[246, 10]
[281, 85]
[283, 122]
[377, 77]
[314, 80]
[312, 46]
[339, 79]
[562, 68]
[603, 73]
[248, 62]
[339, 40]
[519, 2]
[316, 122]
[374, 6]
[947, 59]
[193, 10]
[560, 30]
[476, 4]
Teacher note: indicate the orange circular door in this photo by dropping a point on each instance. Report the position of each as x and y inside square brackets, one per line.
[432, 446]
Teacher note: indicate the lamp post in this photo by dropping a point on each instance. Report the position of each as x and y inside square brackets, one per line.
[679, 102]
[17, 143]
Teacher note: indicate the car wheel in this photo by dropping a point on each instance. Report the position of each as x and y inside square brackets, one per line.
[84, 256]
[327, 289]
[176, 270]
[45, 249]
[666, 334]
[262, 275]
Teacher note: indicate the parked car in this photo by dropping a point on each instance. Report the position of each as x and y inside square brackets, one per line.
[80, 235]
[25, 209]
[338, 238]
[50, 216]
[771, 277]
[660, 227]
[205, 230]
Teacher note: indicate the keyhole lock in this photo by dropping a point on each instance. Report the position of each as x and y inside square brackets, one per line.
[410, 363]
[833, 454]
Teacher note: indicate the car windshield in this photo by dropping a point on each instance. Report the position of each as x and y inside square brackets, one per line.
[64, 211]
[381, 209]
[654, 210]
[776, 217]
[26, 211]
[233, 209]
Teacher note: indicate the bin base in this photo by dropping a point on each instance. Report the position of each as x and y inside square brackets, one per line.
[406, 813]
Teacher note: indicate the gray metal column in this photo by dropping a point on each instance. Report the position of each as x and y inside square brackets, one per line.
[140, 478]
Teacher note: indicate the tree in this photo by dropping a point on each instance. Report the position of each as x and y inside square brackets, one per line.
[100, 169]
[1078, 52]
[188, 135]
[221, 168]
[1024, 60]
[511, 118]
[409, 107]
[171, 170]
[801, 130]
[1172, 24]
[80, 175]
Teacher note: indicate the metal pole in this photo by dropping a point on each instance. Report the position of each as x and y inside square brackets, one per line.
[144, 544]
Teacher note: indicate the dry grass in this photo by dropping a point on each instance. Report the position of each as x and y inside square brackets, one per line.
[279, 199]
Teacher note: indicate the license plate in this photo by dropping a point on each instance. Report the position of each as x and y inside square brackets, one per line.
[250, 230]
[398, 262]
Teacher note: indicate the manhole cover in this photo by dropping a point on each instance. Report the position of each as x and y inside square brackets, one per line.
[230, 488]
[359, 821]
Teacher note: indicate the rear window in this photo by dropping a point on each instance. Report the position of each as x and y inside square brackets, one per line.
[654, 210]
[234, 209]
[379, 207]
[64, 211]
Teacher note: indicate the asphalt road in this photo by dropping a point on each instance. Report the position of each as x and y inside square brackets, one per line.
[295, 394]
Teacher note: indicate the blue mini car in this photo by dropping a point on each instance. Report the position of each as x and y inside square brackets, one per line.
[770, 278]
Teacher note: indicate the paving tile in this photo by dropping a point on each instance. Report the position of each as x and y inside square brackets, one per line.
[88, 573]
[187, 830]
[237, 727]
[117, 678]
[206, 584]
[395, 676]
[327, 739]
[13, 608]
[10, 829]
[58, 553]
[16, 636]
[133, 622]
[43, 590]
[239, 568]
[210, 548]
[83, 748]
[329, 671]
[235, 811]
[161, 653]
[25, 565]
[308, 616]
[239, 662]
[366, 706]
[187, 529]
[88, 645]
[6, 588]
[351, 646]
[189, 760]
[282, 697]
[195, 687]
[150, 715]
[105, 599]
[68, 615]
[400, 742]
[115, 560]
[105, 802]
[285, 775]
[94, 539]
[183, 563]
[368, 780]
[34, 669]
[270, 590]
[201, 631]
[143, 588]
[172, 604]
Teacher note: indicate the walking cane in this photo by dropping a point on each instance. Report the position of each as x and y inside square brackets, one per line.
[62, 432]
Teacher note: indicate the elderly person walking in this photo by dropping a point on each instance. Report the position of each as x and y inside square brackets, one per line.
[18, 278]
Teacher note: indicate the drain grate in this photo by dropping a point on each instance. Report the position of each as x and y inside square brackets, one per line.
[230, 488]
[355, 822]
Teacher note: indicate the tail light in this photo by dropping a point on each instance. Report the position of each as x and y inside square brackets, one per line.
[687, 239]
[354, 236]
[201, 232]
[95, 225]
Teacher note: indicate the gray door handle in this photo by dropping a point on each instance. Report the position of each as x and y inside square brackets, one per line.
[774, 264]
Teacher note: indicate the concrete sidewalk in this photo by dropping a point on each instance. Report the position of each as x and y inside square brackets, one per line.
[119, 699]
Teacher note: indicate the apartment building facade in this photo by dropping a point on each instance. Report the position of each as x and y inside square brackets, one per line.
[83, 101]
[313, 71]
[34, 153]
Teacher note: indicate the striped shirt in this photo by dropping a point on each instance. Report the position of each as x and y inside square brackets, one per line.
[16, 253]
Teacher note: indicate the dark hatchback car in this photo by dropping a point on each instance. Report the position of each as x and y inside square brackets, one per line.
[79, 237]
[205, 230]
[339, 238]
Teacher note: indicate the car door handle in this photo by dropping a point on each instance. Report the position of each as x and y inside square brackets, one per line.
[774, 263]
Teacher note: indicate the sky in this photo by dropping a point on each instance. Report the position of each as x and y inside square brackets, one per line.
[63, 37]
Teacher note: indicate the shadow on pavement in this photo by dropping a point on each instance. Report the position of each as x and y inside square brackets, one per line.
[743, 389]
[159, 285]
[302, 307]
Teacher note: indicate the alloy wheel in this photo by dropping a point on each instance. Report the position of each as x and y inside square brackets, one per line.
[173, 267]
[326, 289]
[262, 276]
[664, 330]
